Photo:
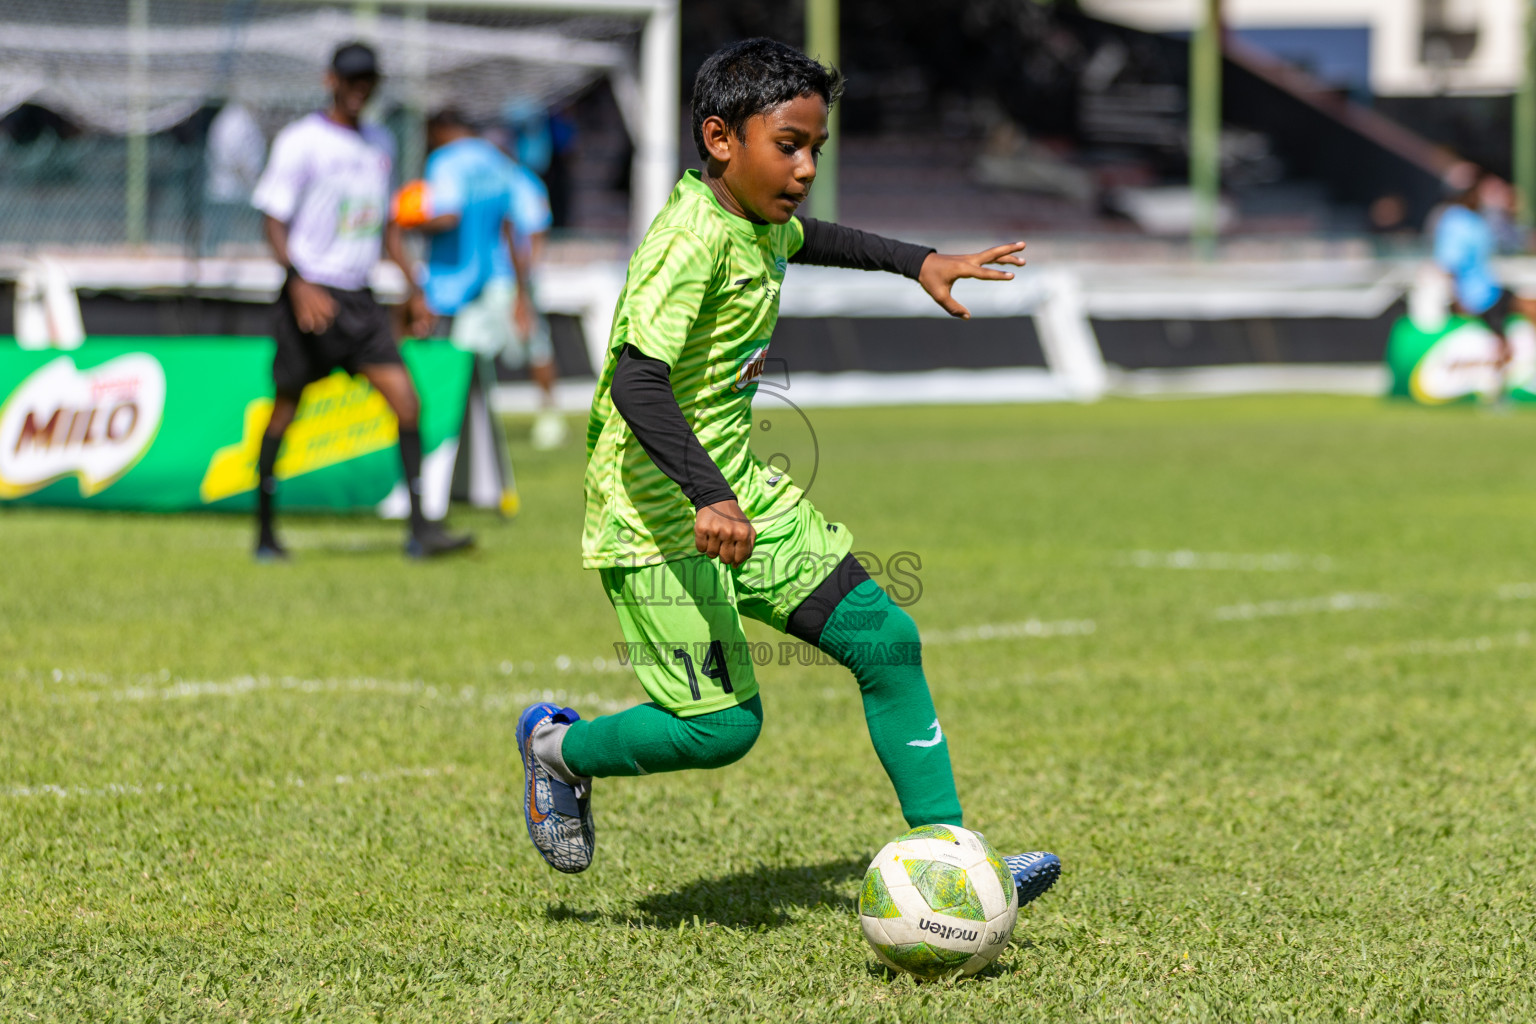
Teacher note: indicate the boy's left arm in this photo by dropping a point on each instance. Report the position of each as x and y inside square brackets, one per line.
[833, 245]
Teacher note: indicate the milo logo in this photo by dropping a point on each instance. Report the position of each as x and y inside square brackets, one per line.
[945, 931]
[94, 424]
[752, 368]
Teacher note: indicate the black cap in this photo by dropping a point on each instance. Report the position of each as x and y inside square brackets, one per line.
[355, 60]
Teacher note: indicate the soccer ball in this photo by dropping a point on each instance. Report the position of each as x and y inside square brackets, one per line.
[412, 206]
[937, 901]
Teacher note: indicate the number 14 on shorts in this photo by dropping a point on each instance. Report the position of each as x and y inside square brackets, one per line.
[713, 668]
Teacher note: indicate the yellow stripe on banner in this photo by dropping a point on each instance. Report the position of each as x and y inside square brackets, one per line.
[339, 419]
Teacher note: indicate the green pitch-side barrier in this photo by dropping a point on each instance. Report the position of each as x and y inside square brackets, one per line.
[1459, 362]
[171, 424]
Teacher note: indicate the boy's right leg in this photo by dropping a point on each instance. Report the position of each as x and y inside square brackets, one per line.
[683, 637]
[562, 753]
[648, 739]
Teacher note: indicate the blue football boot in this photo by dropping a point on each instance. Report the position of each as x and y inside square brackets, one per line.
[558, 813]
[1033, 873]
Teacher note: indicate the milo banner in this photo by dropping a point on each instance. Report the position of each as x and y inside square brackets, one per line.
[1459, 361]
[171, 424]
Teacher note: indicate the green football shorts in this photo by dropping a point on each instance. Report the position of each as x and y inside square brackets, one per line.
[682, 619]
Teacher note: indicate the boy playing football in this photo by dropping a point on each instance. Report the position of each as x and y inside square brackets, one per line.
[688, 529]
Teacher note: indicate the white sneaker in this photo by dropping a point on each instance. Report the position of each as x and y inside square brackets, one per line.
[548, 430]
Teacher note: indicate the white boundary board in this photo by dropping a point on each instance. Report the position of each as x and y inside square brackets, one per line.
[1062, 301]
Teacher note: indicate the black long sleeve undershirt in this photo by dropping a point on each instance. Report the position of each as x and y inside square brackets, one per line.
[642, 392]
[833, 245]
[642, 386]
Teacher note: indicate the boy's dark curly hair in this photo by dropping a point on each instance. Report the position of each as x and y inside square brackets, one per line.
[752, 77]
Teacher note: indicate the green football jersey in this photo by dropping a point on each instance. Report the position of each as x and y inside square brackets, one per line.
[701, 295]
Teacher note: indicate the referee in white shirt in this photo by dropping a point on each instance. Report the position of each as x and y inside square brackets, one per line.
[325, 196]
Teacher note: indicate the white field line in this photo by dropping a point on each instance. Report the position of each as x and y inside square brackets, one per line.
[245, 686]
[565, 663]
[1517, 591]
[1302, 606]
[178, 687]
[290, 781]
[1030, 628]
[1450, 647]
[240, 686]
[604, 705]
[1227, 562]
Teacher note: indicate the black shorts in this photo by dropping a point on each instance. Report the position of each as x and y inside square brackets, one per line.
[360, 335]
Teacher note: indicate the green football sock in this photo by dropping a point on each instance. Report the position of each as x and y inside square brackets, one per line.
[878, 641]
[648, 739]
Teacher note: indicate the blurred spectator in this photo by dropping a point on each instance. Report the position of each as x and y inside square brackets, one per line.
[533, 143]
[1392, 232]
[1496, 202]
[562, 130]
[543, 141]
[236, 153]
[1388, 214]
[1465, 243]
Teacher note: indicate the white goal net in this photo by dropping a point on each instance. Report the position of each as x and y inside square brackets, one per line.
[109, 106]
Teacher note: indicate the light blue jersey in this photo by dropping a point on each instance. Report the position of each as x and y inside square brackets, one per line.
[529, 211]
[1464, 247]
[469, 177]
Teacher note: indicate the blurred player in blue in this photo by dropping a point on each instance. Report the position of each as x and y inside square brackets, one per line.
[1465, 244]
[477, 270]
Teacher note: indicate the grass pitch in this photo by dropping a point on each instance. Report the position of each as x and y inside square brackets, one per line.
[1259, 670]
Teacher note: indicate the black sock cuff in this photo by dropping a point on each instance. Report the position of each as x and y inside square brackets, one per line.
[808, 619]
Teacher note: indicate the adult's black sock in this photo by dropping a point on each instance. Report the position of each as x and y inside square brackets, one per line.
[410, 458]
[266, 487]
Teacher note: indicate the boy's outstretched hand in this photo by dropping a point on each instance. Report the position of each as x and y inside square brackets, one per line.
[722, 531]
[941, 271]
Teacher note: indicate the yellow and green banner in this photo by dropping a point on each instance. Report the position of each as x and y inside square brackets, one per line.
[175, 423]
[1458, 361]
